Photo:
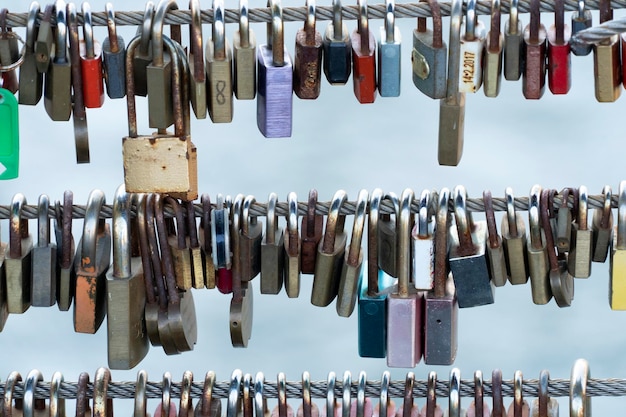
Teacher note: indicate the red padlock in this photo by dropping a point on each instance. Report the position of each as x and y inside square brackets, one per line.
[559, 57]
[91, 64]
[364, 58]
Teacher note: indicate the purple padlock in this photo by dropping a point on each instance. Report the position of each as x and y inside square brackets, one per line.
[275, 82]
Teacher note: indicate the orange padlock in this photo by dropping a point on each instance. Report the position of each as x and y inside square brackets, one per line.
[91, 64]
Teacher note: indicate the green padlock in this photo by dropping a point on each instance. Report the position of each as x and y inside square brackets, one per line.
[9, 136]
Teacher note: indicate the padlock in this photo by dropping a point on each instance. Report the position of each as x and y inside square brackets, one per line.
[405, 307]
[537, 251]
[607, 70]
[513, 44]
[387, 237]
[564, 223]
[430, 55]
[161, 163]
[181, 311]
[159, 72]
[283, 408]
[44, 260]
[142, 56]
[30, 79]
[220, 242]
[205, 242]
[272, 251]
[241, 305]
[440, 305]
[535, 41]
[195, 58]
[372, 321]
[91, 265]
[308, 408]
[602, 226]
[363, 58]
[58, 78]
[250, 238]
[581, 249]
[79, 114]
[519, 407]
[422, 245]
[292, 247]
[478, 407]
[127, 339]
[492, 56]
[452, 107]
[311, 231]
[581, 20]
[177, 241]
[65, 243]
[389, 54]
[219, 70]
[244, 57]
[559, 57]
[307, 61]
[543, 405]
[331, 251]
[44, 44]
[468, 260]
[561, 282]
[337, 59]
[351, 270]
[91, 63]
[617, 283]
[17, 262]
[197, 261]
[514, 242]
[472, 45]
[275, 80]
[496, 394]
[114, 58]
[408, 406]
[495, 247]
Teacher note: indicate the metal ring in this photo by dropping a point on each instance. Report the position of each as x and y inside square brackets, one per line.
[337, 19]
[146, 29]
[166, 394]
[579, 401]
[31, 24]
[61, 31]
[248, 400]
[9, 388]
[260, 402]
[543, 397]
[346, 398]
[141, 400]
[330, 394]
[82, 400]
[534, 222]
[581, 8]
[384, 401]
[390, 21]
[461, 214]
[234, 400]
[606, 209]
[478, 393]
[56, 405]
[244, 24]
[454, 397]
[518, 395]
[219, 29]
[33, 377]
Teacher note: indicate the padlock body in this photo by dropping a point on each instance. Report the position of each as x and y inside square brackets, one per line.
[497, 263]
[364, 63]
[471, 272]
[183, 323]
[18, 278]
[250, 251]
[404, 330]
[389, 63]
[224, 280]
[127, 337]
[440, 329]
[451, 130]
[538, 268]
[198, 89]
[513, 51]
[181, 260]
[161, 164]
[197, 266]
[328, 272]
[220, 84]
[337, 56]
[274, 100]
[581, 252]
[159, 81]
[244, 62]
[57, 91]
[30, 80]
[351, 275]
[581, 23]
[65, 288]
[44, 272]
[307, 75]
[387, 247]
[372, 320]
[429, 64]
[309, 244]
[471, 73]
[607, 70]
[534, 80]
[44, 46]
[423, 270]
[515, 251]
[559, 62]
[241, 318]
[617, 272]
[272, 264]
[93, 85]
[141, 60]
[114, 68]
[601, 236]
[492, 66]
[292, 273]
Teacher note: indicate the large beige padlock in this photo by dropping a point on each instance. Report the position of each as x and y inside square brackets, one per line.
[161, 163]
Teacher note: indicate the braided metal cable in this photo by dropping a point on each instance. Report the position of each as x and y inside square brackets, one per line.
[601, 32]
[299, 14]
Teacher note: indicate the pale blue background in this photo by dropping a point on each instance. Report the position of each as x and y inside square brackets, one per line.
[338, 143]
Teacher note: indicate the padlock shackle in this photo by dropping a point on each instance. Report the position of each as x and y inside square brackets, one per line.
[100, 388]
[496, 393]
[354, 250]
[535, 20]
[111, 27]
[28, 404]
[385, 398]
[272, 219]
[247, 219]
[424, 216]
[346, 398]
[478, 393]
[441, 244]
[141, 399]
[236, 259]
[454, 50]
[390, 20]
[494, 32]
[337, 20]
[621, 217]
[403, 227]
[146, 260]
[192, 231]
[281, 389]
[121, 233]
[363, 26]
[490, 216]
[292, 224]
[18, 227]
[234, 399]
[91, 229]
[31, 25]
[583, 208]
[172, 296]
[196, 41]
[579, 400]
[166, 394]
[43, 221]
[513, 16]
[470, 20]
[333, 221]
[131, 109]
[260, 400]
[543, 396]
[244, 24]
[534, 220]
[275, 33]
[153, 242]
[606, 13]
[606, 208]
[219, 30]
[454, 396]
[180, 88]
[88, 30]
[518, 395]
[162, 8]
[360, 394]
[309, 23]
[559, 21]
[145, 30]
[60, 51]
[407, 400]
[431, 393]
[306, 395]
[464, 224]
[310, 213]
[547, 228]
[511, 214]
[56, 403]
[331, 401]
[181, 227]
[205, 199]
[372, 242]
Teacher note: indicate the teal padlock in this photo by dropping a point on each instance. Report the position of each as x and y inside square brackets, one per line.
[9, 136]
